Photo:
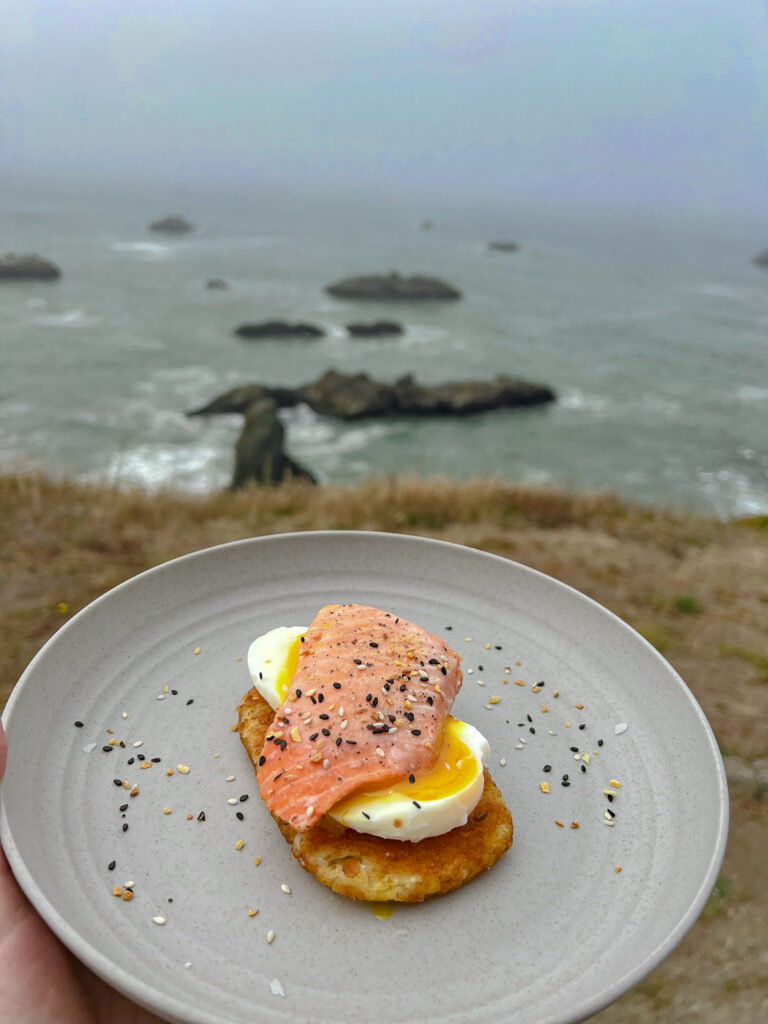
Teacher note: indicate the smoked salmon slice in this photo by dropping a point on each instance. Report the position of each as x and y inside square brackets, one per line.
[366, 706]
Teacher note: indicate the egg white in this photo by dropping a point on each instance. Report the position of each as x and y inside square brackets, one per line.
[445, 795]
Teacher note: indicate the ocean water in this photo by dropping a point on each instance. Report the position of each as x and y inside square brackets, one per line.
[652, 328]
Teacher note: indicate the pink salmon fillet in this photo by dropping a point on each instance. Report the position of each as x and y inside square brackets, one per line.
[366, 706]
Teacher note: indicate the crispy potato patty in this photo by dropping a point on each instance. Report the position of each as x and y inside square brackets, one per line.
[369, 868]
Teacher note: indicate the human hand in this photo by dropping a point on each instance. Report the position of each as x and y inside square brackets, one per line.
[40, 981]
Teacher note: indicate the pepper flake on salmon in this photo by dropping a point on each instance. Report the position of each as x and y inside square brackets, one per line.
[366, 706]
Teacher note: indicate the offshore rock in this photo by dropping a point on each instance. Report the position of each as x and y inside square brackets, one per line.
[393, 287]
[259, 452]
[279, 329]
[375, 329]
[355, 396]
[761, 259]
[173, 225]
[216, 284]
[27, 267]
[503, 246]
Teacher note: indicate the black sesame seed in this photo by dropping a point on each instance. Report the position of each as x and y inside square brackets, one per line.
[565, 783]
[352, 743]
[497, 647]
[262, 759]
[411, 779]
[260, 676]
[338, 741]
[141, 757]
[479, 668]
[369, 696]
[374, 702]
[529, 718]
[403, 688]
[612, 813]
[373, 644]
[547, 767]
[326, 732]
[314, 735]
[599, 743]
[324, 717]
[125, 827]
[337, 686]
[320, 697]
[174, 692]
[574, 750]
[358, 661]
[565, 777]
[298, 694]
[283, 744]
[243, 798]
[367, 816]
[430, 701]
[155, 760]
[111, 866]
[106, 749]
[540, 684]
[444, 670]
[583, 767]
[409, 715]
[532, 729]
[190, 701]
[610, 797]
[239, 815]
[123, 807]
[201, 816]
[79, 724]
[118, 782]
[416, 732]
[433, 661]
[416, 804]
[582, 726]
[130, 760]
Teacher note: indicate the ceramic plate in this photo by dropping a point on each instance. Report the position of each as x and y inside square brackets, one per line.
[553, 932]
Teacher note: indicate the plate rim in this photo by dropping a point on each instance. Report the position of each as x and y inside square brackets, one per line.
[165, 1004]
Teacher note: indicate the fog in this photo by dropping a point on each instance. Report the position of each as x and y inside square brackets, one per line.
[597, 101]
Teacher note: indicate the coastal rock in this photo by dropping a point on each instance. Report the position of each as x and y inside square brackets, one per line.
[375, 329]
[348, 396]
[279, 329]
[239, 399]
[354, 396]
[392, 287]
[761, 259]
[503, 246]
[259, 452]
[461, 398]
[27, 267]
[172, 225]
[216, 284]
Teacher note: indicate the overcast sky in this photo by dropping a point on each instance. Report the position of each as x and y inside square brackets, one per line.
[640, 101]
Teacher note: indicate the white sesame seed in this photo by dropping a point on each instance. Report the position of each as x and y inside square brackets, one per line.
[518, 746]
[609, 823]
[276, 988]
[310, 810]
[344, 724]
[125, 714]
[379, 751]
[270, 936]
[187, 965]
[233, 800]
[326, 764]
[160, 696]
[89, 747]
[552, 732]
[480, 682]
[285, 887]
[158, 920]
[620, 728]
[489, 707]
[470, 671]
[138, 743]
[503, 761]
[230, 778]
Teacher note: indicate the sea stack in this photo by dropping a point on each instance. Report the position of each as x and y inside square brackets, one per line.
[393, 287]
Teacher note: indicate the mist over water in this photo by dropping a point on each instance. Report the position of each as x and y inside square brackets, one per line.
[650, 327]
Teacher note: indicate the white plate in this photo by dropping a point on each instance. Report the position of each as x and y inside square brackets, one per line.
[551, 933]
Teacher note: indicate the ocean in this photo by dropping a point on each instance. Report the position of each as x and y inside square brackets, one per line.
[651, 327]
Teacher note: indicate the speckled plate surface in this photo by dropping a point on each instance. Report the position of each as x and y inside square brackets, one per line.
[552, 933]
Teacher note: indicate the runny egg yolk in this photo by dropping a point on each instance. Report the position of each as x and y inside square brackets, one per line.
[286, 672]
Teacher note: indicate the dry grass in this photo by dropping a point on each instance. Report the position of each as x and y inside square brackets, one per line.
[695, 587]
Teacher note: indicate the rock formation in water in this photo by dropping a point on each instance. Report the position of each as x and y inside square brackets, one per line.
[375, 329]
[392, 287]
[279, 329]
[761, 259]
[503, 246]
[356, 396]
[259, 452]
[216, 284]
[172, 225]
[27, 267]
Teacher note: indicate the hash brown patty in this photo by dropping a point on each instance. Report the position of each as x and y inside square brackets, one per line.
[366, 867]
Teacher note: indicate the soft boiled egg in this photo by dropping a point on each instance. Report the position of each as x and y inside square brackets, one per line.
[438, 800]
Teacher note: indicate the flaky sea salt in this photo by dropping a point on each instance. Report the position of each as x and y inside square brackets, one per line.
[276, 988]
[620, 728]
